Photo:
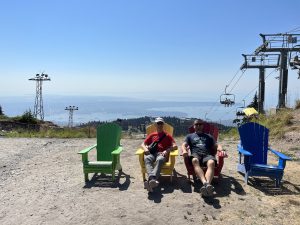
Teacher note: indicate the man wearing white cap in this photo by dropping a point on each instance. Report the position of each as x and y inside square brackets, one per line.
[157, 147]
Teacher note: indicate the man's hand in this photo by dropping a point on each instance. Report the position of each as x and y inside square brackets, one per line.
[146, 152]
[222, 153]
[164, 153]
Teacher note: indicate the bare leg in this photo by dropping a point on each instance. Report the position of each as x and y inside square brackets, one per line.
[199, 172]
[209, 175]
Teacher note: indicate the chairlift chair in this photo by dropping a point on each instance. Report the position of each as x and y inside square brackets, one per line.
[227, 99]
[295, 62]
[240, 111]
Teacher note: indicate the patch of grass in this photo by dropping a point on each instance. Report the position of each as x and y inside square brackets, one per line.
[278, 124]
[293, 202]
[3, 117]
[231, 133]
[297, 104]
[294, 149]
[54, 133]
[262, 215]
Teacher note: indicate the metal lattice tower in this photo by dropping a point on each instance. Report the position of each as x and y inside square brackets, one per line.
[38, 104]
[284, 44]
[71, 110]
[261, 62]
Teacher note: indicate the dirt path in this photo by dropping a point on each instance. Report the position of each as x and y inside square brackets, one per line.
[42, 183]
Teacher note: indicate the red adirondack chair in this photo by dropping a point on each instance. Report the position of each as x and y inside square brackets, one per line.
[214, 131]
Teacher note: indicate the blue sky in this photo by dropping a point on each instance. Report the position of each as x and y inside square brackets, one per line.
[167, 49]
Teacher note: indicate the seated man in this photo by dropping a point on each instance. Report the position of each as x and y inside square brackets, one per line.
[165, 143]
[200, 145]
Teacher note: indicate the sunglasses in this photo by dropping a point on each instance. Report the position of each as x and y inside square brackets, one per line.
[160, 123]
[198, 124]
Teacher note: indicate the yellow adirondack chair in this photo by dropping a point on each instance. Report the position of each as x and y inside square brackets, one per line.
[168, 167]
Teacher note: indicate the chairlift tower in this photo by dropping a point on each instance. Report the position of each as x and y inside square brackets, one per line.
[38, 105]
[261, 62]
[283, 43]
[71, 110]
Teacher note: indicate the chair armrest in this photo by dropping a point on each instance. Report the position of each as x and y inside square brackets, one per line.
[117, 151]
[280, 155]
[139, 151]
[86, 150]
[174, 152]
[243, 151]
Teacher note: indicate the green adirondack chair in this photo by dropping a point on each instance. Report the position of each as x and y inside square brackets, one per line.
[108, 151]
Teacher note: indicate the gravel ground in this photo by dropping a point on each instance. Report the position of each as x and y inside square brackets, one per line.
[42, 183]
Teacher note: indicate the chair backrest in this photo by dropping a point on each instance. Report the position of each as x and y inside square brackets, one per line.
[211, 129]
[108, 139]
[167, 128]
[254, 138]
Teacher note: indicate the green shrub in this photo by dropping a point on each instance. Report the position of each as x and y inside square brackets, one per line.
[28, 117]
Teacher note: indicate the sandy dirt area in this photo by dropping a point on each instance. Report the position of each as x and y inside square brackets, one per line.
[42, 183]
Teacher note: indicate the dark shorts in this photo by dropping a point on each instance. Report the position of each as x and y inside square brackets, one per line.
[203, 159]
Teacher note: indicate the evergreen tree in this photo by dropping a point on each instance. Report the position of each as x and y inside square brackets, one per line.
[254, 103]
[1, 111]
[28, 117]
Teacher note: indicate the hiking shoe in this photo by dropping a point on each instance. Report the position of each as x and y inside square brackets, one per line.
[153, 183]
[209, 189]
[203, 190]
[147, 186]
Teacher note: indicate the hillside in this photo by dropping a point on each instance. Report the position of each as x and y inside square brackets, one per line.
[289, 143]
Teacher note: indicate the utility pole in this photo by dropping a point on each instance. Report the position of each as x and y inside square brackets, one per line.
[38, 105]
[71, 110]
[284, 44]
[261, 62]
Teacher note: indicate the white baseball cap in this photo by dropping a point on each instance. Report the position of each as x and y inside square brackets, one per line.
[159, 119]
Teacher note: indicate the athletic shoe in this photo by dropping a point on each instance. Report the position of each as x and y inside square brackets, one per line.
[147, 186]
[210, 189]
[153, 183]
[203, 190]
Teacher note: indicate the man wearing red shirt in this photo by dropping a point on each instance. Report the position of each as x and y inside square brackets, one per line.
[165, 145]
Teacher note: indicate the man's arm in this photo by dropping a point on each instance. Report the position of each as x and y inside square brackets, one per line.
[171, 148]
[145, 147]
[184, 147]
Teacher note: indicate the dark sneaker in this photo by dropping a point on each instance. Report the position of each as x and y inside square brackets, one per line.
[210, 189]
[203, 190]
[153, 183]
[147, 186]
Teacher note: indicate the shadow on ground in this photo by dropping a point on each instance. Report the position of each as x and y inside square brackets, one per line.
[180, 182]
[224, 186]
[122, 181]
[267, 186]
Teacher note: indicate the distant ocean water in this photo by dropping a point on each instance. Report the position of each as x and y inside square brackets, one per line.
[112, 108]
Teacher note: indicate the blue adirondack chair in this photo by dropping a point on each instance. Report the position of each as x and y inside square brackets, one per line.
[108, 151]
[253, 153]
